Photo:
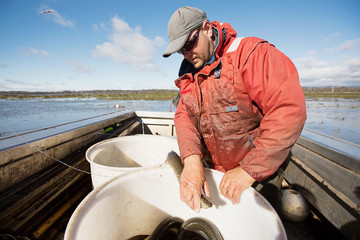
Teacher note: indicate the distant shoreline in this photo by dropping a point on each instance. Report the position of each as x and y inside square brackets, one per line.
[154, 94]
[163, 94]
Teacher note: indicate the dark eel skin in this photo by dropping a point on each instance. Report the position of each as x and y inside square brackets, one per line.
[198, 229]
[166, 230]
[174, 228]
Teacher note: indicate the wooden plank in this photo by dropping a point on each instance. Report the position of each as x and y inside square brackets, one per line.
[23, 219]
[42, 216]
[61, 211]
[341, 178]
[130, 129]
[28, 186]
[18, 213]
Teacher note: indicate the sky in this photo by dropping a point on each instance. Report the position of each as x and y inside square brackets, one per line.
[114, 44]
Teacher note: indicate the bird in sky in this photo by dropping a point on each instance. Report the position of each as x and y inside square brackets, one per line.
[47, 11]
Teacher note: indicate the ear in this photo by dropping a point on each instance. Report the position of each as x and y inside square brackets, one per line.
[208, 28]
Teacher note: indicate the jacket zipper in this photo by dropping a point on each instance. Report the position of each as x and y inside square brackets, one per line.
[200, 93]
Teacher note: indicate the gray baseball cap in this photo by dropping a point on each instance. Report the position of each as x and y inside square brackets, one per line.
[181, 24]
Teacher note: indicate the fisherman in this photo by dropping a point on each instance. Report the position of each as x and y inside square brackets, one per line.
[241, 108]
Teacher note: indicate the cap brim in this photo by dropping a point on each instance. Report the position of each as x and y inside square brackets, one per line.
[176, 45]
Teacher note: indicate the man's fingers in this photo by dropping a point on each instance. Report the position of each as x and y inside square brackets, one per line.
[234, 182]
[192, 180]
[224, 187]
[229, 190]
[190, 194]
[196, 203]
[232, 195]
[207, 190]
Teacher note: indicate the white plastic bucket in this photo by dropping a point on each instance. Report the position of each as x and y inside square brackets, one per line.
[136, 202]
[116, 156]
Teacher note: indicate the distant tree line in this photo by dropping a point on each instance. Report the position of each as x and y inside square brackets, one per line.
[147, 94]
[87, 92]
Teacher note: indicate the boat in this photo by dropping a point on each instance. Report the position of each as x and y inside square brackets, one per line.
[45, 175]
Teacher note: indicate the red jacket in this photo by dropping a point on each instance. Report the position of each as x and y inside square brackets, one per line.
[247, 106]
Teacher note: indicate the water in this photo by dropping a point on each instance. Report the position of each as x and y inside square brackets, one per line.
[18, 116]
[334, 117]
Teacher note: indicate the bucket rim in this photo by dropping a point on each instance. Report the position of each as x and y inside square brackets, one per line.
[119, 139]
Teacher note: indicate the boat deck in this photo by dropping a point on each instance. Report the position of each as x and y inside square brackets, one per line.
[35, 197]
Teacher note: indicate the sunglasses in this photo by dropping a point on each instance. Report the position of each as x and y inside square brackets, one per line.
[190, 43]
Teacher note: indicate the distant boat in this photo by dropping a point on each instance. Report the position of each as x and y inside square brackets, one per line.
[47, 11]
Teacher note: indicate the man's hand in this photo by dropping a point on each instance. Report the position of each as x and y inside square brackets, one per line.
[192, 180]
[234, 182]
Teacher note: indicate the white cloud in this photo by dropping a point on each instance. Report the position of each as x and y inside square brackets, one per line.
[328, 50]
[129, 46]
[56, 17]
[99, 27]
[81, 68]
[34, 51]
[159, 41]
[313, 72]
[349, 45]
[328, 39]
[311, 52]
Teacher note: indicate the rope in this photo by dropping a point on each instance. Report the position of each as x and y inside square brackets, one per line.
[53, 158]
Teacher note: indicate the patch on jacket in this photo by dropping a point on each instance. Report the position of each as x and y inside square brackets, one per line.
[233, 108]
[218, 71]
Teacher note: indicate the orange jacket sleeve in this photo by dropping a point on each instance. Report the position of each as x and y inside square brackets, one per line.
[186, 129]
[273, 84]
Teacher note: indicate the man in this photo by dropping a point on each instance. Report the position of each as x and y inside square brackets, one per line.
[241, 103]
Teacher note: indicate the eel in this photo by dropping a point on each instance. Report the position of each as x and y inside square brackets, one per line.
[172, 228]
[139, 237]
[166, 230]
[174, 160]
[197, 228]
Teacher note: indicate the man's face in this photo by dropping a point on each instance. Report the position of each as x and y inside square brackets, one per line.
[202, 49]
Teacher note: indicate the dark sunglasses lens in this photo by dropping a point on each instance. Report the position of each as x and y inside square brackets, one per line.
[189, 44]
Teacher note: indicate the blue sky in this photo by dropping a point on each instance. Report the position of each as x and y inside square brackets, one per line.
[93, 44]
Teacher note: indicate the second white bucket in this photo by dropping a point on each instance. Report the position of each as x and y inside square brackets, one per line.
[113, 157]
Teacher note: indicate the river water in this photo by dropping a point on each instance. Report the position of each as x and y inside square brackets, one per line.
[334, 117]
